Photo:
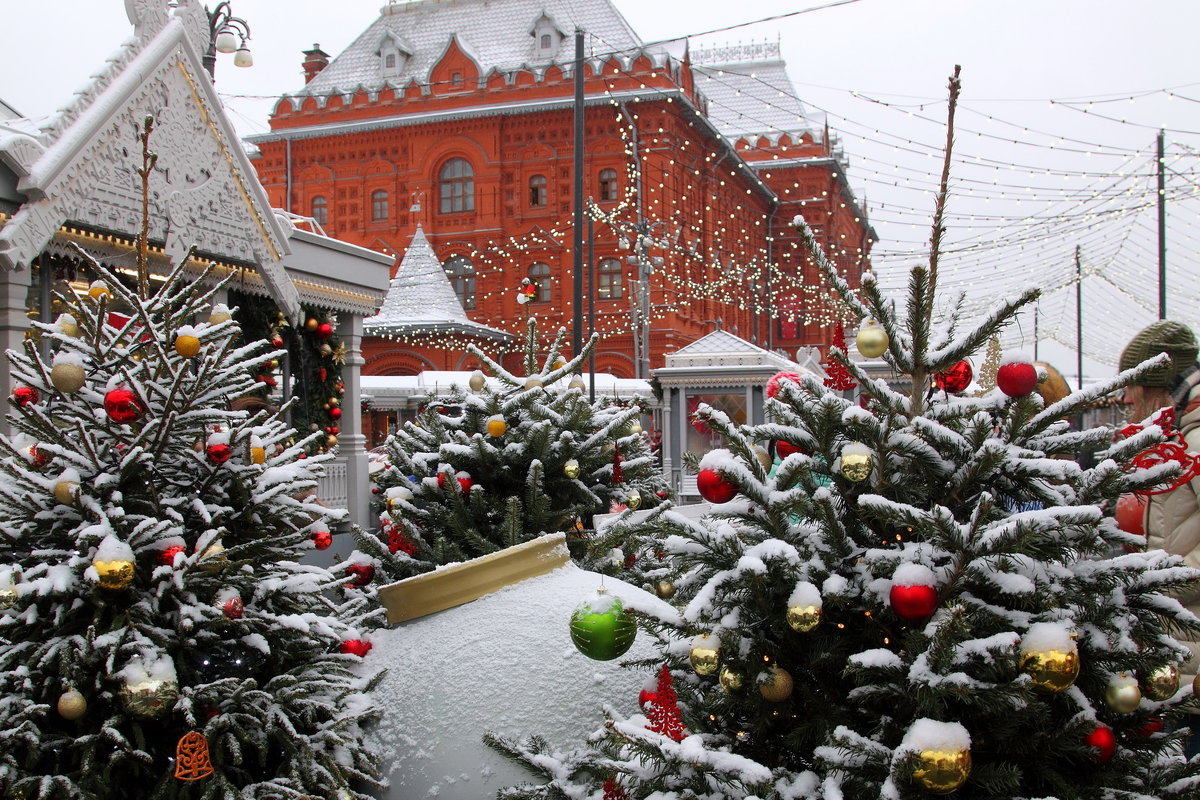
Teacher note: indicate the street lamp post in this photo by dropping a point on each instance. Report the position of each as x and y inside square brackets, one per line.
[226, 34]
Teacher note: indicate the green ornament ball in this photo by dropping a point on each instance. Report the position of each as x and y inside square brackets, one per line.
[601, 628]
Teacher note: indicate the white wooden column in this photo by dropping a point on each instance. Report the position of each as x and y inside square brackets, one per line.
[352, 444]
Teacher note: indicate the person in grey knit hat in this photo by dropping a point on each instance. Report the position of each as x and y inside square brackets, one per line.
[1171, 521]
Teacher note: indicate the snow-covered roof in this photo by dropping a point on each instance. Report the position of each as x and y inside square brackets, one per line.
[395, 391]
[420, 297]
[724, 358]
[496, 33]
[750, 94]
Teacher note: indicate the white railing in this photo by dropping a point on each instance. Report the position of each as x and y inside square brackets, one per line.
[332, 487]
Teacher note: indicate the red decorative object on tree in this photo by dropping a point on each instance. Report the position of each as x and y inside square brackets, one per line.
[955, 379]
[38, 457]
[25, 395]
[233, 608]
[1130, 514]
[356, 647]
[324, 332]
[664, 711]
[1105, 742]
[773, 383]
[335, 413]
[613, 792]
[218, 452]
[647, 694]
[1016, 378]
[167, 556]
[122, 405]
[912, 603]
[363, 573]
[617, 477]
[784, 449]
[714, 488]
[322, 539]
[838, 377]
[1173, 449]
[397, 541]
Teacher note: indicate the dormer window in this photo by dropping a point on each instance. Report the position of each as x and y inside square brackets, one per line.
[547, 38]
[393, 55]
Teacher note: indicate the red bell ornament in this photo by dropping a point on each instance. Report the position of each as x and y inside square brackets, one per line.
[122, 405]
[955, 379]
[714, 488]
[1016, 375]
[1104, 740]
[914, 592]
[25, 396]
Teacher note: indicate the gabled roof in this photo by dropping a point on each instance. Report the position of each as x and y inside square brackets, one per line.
[421, 299]
[497, 30]
[722, 358]
[78, 164]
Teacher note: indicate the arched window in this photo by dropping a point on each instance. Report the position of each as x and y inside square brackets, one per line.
[320, 210]
[537, 191]
[379, 205]
[609, 279]
[456, 184]
[608, 184]
[462, 277]
[539, 273]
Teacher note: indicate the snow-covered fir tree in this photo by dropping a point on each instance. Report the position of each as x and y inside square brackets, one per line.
[158, 635]
[515, 458]
[924, 597]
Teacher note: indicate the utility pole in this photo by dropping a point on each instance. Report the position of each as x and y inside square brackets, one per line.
[577, 307]
[1162, 227]
[1079, 316]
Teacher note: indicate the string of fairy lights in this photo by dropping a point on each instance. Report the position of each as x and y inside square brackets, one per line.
[1013, 219]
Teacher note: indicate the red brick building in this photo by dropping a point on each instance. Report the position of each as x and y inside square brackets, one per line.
[695, 163]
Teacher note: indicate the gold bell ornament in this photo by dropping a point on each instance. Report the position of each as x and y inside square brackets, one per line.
[577, 383]
[533, 382]
[1049, 656]
[804, 607]
[705, 654]
[872, 340]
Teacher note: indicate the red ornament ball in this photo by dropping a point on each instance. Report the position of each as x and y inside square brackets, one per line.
[324, 331]
[1104, 740]
[784, 449]
[218, 453]
[1130, 514]
[167, 556]
[335, 413]
[233, 608]
[773, 383]
[25, 395]
[38, 457]
[122, 406]
[714, 488]
[363, 573]
[356, 647]
[913, 603]
[322, 539]
[955, 379]
[1017, 379]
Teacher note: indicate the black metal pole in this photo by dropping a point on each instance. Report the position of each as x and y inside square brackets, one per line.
[577, 326]
[1162, 228]
[591, 292]
[1079, 314]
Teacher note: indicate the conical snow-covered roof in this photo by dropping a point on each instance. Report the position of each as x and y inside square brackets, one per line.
[421, 299]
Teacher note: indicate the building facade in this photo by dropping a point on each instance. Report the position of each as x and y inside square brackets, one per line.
[458, 117]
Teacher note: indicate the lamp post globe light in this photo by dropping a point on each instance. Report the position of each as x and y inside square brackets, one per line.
[227, 34]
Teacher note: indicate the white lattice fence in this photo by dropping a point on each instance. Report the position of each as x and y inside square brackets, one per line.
[332, 487]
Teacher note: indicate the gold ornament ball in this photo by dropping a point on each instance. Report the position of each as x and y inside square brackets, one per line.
[942, 771]
[311, 324]
[331, 441]
[778, 688]
[803, 618]
[8, 596]
[872, 340]
[213, 558]
[571, 469]
[216, 317]
[1162, 683]
[533, 382]
[731, 680]
[65, 492]
[68, 378]
[477, 381]
[635, 428]
[559, 363]
[258, 455]
[1053, 670]
[71, 704]
[664, 589]
[115, 575]
[148, 698]
[634, 499]
[577, 383]
[187, 346]
[98, 290]
[68, 326]
[333, 401]
[326, 349]
[1123, 694]
[705, 654]
[856, 466]
[496, 428]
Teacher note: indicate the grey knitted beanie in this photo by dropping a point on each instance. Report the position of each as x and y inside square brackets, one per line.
[1164, 336]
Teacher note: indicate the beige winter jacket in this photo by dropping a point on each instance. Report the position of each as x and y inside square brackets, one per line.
[1172, 522]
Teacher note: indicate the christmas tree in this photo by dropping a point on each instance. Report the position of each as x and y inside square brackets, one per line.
[513, 459]
[158, 637]
[925, 597]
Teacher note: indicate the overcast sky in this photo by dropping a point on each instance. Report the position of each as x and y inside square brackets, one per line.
[1036, 174]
